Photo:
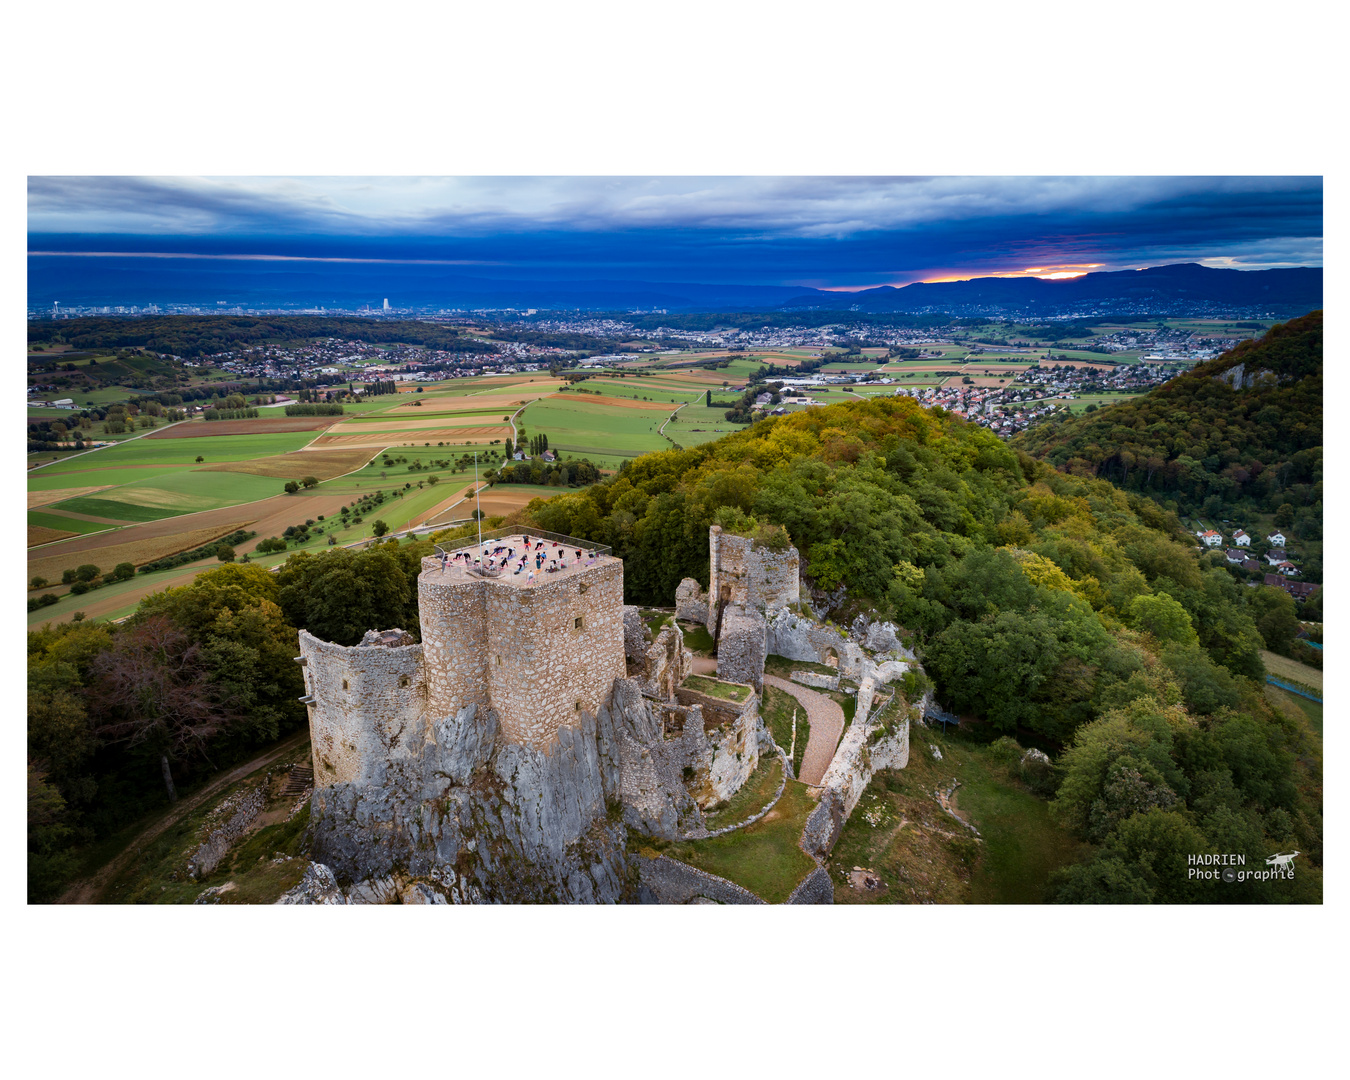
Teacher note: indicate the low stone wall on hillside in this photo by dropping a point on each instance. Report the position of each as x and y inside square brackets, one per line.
[228, 822]
[867, 747]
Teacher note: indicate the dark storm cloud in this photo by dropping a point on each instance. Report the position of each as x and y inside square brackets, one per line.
[848, 231]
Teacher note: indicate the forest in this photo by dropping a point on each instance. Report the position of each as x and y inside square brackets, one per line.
[1201, 444]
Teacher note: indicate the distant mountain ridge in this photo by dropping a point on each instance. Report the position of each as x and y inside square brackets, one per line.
[1298, 288]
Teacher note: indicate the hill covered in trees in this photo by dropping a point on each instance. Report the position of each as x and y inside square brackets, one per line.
[1241, 433]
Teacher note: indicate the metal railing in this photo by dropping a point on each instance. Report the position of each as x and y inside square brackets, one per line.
[523, 531]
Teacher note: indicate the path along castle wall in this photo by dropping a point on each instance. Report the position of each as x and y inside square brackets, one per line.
[538, 656]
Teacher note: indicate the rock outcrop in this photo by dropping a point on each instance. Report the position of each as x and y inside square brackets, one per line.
[496, 821]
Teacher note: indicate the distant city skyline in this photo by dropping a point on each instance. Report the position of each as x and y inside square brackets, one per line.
[833, 233]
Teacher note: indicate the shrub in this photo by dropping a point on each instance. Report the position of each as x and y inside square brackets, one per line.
[292, 487]
[225, 553]
[310, 481]
[79, 588]
[1005, 750]
[86, 572]
[38, 583]
[124, 571]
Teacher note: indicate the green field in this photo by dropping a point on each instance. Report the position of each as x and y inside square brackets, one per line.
[56, 521]
[213, 448]
[1080, 403]
[600, 427]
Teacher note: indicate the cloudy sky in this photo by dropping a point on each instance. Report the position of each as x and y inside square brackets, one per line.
[827, 232]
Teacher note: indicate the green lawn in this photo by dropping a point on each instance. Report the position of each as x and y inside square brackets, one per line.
[1080, 403]
[213, 448]
[56, 521]
[724, 691]
[777, 710]
[763, 857]
[601, 427]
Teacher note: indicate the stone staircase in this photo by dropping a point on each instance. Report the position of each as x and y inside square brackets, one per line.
[298, 780]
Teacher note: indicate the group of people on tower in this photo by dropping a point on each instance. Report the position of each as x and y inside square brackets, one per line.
[495, 559]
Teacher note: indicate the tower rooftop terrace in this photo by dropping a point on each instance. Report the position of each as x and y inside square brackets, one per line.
[499, 559]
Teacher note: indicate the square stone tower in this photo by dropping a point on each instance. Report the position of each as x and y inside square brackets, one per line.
[539, 652]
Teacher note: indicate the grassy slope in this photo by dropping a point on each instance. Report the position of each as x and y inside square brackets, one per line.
[931, 857]
[763, 857]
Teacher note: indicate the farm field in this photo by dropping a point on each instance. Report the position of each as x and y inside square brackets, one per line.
[60, 523]
[1080, 404]
[262, 425]
[578, 426]
[50, 562]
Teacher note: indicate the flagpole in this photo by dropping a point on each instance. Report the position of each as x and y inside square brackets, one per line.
[477, 504]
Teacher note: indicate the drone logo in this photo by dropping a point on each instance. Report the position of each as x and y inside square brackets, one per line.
[1282, 862]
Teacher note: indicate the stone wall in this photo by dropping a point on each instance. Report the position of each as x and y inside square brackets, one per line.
[366, 705]
[815, 679]
[668, 881]
[691, 602]
[227, 823]
[731, 735]
[860, 755]
[752, 577]
[635, 633]
[538, 656]
[657, 743]
[741, 650]
[665, 663]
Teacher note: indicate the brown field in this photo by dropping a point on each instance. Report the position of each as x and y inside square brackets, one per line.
[621, 402]
[268, 516]
[457, 435]
[137, 551]
[42, 498]
[324, 464]
[245, 427]
[39, 534]
[504, 502]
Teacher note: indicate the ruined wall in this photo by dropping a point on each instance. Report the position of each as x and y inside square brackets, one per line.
[861, 754]
[741, 650]
[665, 664]
[691, 602]
[635, 634]
[731, 734]
[657, 743]
[754, 578]
[367, 706]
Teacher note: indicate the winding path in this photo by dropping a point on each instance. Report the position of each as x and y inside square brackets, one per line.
[827, 725]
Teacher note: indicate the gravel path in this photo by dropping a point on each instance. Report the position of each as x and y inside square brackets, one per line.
[827, 725]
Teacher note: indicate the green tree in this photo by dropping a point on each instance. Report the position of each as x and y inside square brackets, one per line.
[86, 572]
[1162, 617]
[224, 553]
[379, 528]
[291, 487]
[310, 481]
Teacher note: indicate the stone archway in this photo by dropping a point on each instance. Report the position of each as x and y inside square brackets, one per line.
[830, 658]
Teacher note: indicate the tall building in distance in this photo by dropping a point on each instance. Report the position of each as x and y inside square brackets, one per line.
[386, 303]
